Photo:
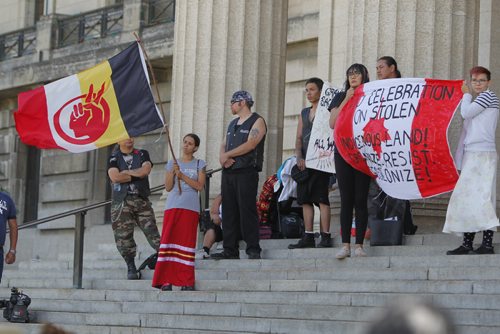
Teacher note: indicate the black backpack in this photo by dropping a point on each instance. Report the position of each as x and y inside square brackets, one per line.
[291, 225]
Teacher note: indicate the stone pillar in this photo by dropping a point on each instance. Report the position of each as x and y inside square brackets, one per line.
[132, 12]
[428, 38]
[489, 40]
[46, 36]
[222, 46]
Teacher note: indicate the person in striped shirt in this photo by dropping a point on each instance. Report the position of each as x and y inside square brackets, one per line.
[472, 206]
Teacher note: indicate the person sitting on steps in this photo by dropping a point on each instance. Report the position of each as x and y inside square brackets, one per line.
[213, 233]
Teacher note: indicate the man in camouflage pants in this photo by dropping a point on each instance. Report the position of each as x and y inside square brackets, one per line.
[128, 169]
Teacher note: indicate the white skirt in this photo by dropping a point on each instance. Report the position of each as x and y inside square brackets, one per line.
[472, 206]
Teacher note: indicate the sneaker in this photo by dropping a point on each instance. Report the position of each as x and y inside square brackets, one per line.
[461, 250]
[187, 288]
[224, 256]
[201, 254]
[254, 256]
[360, 252]
[343, 253]
[326, 241]
[484, 250]
[166, 287]
[307, 241]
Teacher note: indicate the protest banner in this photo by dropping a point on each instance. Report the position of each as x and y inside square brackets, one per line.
[395, 130]
[320, 149]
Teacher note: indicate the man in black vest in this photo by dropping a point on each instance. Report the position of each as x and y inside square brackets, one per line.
[241, 156]
[128, 169]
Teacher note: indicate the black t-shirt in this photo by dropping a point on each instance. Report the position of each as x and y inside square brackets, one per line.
[337, 100]
[113, 162]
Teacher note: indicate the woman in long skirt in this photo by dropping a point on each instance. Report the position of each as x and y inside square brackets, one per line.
[175, 264]
[472, 206]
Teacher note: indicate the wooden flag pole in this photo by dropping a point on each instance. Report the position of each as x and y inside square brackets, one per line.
[155, 84]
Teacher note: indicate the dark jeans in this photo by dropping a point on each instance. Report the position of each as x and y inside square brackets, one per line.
[353, 187]
[239, 211]
[1, 263]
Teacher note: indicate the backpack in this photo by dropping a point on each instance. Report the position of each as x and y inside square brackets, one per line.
[291, 225]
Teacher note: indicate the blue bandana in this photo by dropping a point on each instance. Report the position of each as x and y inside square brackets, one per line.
[242, 95]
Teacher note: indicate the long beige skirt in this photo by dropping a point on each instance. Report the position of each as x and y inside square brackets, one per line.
[472, 206]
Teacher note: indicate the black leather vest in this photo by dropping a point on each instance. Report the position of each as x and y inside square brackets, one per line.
[119, 190]
[236, 136]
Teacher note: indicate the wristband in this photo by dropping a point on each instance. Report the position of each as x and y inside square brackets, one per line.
[13, 251]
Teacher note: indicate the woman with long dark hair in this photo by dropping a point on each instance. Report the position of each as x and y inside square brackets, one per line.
[175, 265]
[353, 184]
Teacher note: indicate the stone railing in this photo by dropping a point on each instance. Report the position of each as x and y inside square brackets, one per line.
[56, 31]
[91, 25]
[18, 43]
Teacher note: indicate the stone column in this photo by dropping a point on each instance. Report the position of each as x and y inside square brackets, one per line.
[489, 40]
[222, 46]
[132, 12]
[428, 38]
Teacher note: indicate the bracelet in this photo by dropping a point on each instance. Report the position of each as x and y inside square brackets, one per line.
[13, 251]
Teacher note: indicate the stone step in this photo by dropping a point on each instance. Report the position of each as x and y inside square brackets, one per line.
[335, 327]
[51, 268]
[211, 291]
[98, 260]
[229, 303]
[35, 328]
[256, 318]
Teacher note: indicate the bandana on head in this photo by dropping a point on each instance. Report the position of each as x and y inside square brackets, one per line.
[242, 95]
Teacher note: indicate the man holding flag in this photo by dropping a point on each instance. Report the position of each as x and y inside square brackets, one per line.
[128, 170]
[109, 103]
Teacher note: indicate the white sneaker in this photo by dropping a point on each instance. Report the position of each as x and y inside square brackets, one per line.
[201, 254]
[343, 253]
[359, 252]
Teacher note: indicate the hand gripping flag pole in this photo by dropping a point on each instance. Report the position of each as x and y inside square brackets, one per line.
[159, 102]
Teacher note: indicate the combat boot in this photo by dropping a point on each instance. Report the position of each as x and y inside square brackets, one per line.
[326, 240]
[307, 241]
[131, 269]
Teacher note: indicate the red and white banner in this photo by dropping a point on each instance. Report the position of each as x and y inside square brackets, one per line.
[395, 130]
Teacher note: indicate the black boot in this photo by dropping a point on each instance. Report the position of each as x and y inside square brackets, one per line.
[131, 269]
[307, 241]
[326, 240]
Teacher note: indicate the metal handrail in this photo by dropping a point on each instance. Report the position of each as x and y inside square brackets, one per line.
[80, 225]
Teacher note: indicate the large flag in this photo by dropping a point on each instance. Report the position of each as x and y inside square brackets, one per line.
[395, 130]
[94, 108]
[320, 149]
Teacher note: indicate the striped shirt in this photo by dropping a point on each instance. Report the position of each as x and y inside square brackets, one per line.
[481, 117]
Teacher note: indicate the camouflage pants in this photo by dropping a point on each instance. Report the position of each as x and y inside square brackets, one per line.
[133, 211]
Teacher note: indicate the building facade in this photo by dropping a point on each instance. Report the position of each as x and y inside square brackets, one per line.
[201, 52]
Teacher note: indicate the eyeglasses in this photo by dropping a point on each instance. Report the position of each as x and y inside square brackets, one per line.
[235, 101]
[353, 73]
[480, 81]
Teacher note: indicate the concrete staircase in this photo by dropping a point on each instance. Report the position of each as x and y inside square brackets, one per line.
[289, 291]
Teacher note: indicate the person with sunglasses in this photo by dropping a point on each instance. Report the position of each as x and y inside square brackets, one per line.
[241, 157]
